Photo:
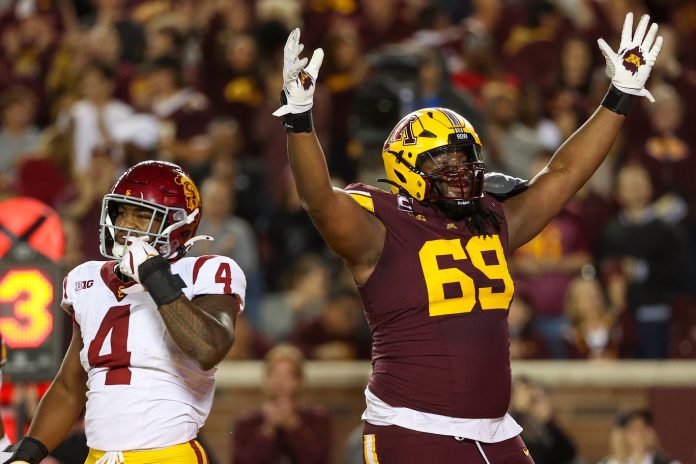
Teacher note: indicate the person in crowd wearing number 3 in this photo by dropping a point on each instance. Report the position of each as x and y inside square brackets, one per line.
[149, 328]
[430, 258]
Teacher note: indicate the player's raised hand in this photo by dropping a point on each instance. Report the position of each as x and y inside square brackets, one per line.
[142, 263]
[136, 253]
[299, 80]
[630, 67]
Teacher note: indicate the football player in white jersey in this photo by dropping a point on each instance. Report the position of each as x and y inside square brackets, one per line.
[149, 327]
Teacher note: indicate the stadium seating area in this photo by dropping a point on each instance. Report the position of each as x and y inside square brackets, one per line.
[89, 87]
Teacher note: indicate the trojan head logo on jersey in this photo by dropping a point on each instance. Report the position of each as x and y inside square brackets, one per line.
[190, 192]
[633, 59]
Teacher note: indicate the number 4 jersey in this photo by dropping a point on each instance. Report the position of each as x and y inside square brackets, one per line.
[437, 306]
[143, 391]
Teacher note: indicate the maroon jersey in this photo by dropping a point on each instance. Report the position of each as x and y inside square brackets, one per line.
[437, 307]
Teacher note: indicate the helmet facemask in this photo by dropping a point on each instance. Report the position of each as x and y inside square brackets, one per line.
[453, 173]
[169, 219]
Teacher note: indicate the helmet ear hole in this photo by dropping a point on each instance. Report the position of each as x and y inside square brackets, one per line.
[400, 176]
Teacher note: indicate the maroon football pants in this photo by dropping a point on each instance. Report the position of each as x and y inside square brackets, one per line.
[397, 445]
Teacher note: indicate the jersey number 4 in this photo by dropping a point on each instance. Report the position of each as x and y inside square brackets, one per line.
[486, 254]
[118, 360]
[116, 322]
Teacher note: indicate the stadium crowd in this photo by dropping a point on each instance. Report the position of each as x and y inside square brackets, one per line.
[89, 87]
[92, 87]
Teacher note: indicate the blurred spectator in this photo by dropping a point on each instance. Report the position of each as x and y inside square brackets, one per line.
[593, 204]
[500, 103]
[594, 331]
[183, 112]
[670, 70]
[137, 138]
[283, 430]
[529, 135]
[249, 343]
[268, 141]
[164, 40]
[525, 341]
[18, 135]
[28, 40]
[433, 89]
[113, 13]
[238, 90]
[304, 294]
[47, 174]
[84, 205]
[546, 440]
[93, 118]
[666, 146]
[234, 236]
[224, 21]
[645, 256]
[346, 70]
[383, 22]
[634, 440]
[530, 35]
[246, 173]
[577, 66]
[544, 268]
[335, 333]
[289, 234]
[477, 63]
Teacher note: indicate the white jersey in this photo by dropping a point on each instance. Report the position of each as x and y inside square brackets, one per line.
[143, 391]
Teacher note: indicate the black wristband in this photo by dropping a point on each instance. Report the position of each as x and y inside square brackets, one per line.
[30, 450]
[618, 101]
[301, 122]
[156, 276]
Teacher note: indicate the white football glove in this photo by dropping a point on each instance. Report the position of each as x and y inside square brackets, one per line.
[298, 80]
[136, 253]
[630, 67]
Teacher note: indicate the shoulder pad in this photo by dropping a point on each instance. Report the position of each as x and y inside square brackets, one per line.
[502, 186]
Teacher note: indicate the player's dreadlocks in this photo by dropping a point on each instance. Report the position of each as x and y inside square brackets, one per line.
[474, 213]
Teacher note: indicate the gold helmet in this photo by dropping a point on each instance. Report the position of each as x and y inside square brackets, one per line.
[434, 154]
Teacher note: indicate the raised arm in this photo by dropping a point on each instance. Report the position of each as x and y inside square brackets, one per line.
[59, 408]
[580, 156]
[353, 233]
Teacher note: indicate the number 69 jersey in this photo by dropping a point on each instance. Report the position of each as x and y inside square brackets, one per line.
[437, 306]
[143, 391]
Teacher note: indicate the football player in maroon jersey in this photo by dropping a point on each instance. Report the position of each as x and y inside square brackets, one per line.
[430, 257]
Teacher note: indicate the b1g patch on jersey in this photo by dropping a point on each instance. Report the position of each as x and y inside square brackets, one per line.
[83, 284]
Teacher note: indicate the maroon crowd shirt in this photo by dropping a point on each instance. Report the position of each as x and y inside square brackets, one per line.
[437, 307]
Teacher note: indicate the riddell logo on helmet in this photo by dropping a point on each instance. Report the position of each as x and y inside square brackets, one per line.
[633, 59]
[190, 192]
